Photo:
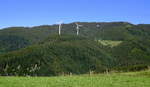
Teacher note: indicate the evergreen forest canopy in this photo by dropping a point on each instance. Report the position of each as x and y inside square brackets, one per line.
[100, 47]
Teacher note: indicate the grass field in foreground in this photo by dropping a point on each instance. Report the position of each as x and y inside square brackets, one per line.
[132, 79]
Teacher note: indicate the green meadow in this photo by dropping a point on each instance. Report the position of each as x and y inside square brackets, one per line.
[110, 43]
[130, 79]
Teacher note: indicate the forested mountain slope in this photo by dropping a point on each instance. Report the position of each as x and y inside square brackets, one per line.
[57, 56]
[41, 51]
[99, 31]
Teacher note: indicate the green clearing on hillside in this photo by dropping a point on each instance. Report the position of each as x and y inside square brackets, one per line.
[110, 43]
[132, 79]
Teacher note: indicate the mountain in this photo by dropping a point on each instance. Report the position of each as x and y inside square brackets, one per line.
[40, 51]
[61, 55]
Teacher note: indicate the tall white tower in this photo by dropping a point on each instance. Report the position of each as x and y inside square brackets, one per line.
[59, 29]
[78, 27]
[60, 26]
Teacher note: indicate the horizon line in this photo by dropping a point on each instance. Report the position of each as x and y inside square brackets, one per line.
[30, 26]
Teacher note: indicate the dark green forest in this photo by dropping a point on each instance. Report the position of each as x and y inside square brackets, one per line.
[40, 51]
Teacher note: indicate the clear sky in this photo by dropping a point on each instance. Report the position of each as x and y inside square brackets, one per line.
[41, 12]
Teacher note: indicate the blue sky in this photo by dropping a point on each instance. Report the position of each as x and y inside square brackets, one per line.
[41, 12]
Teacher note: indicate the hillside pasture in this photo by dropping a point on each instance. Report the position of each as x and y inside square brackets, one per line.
[110, 43]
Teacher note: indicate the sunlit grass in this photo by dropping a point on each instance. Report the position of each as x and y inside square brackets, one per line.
[132, 79]
[110, 43]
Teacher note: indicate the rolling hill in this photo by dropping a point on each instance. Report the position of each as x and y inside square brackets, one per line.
[39, 51]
